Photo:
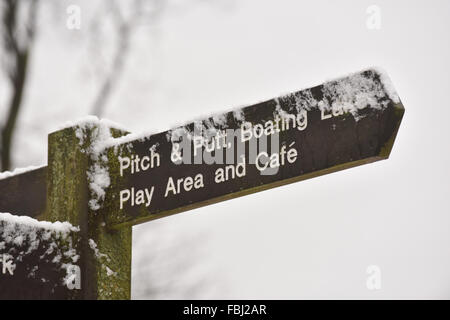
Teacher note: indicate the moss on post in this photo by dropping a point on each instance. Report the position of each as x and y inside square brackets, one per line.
[105, 257]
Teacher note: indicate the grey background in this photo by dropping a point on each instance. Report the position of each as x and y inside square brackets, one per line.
[312, 239]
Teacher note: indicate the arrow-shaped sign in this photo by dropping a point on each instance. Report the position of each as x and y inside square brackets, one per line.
[337, 125]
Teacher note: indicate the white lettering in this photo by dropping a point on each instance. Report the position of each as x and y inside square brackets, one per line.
[136, 197]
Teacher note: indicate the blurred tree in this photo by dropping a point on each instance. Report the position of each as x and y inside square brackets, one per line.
[18, 28]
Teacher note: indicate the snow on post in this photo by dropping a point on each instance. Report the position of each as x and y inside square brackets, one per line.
[77, 180]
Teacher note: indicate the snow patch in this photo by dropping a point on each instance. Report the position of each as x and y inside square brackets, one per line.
[102, 258]
[387, 84]
[30, 223]
[109, 272]
[93, 134]
[97, 252]
[21, 237]
[90, 120]
[17, 171]
[238, 115]
[353, 93]
[99, 180]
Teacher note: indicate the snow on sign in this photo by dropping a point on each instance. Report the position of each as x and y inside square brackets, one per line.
[337, 125]
[37, 259]
[100, 180]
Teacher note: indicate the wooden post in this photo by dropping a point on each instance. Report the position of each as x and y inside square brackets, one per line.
[105, 255]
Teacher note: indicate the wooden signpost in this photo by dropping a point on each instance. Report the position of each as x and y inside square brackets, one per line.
[102, 180]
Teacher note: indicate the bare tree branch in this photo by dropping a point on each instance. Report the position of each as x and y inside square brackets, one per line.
[121, 52]
[125, 27]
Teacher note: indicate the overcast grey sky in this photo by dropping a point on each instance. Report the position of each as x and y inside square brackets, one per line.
[313, 239]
